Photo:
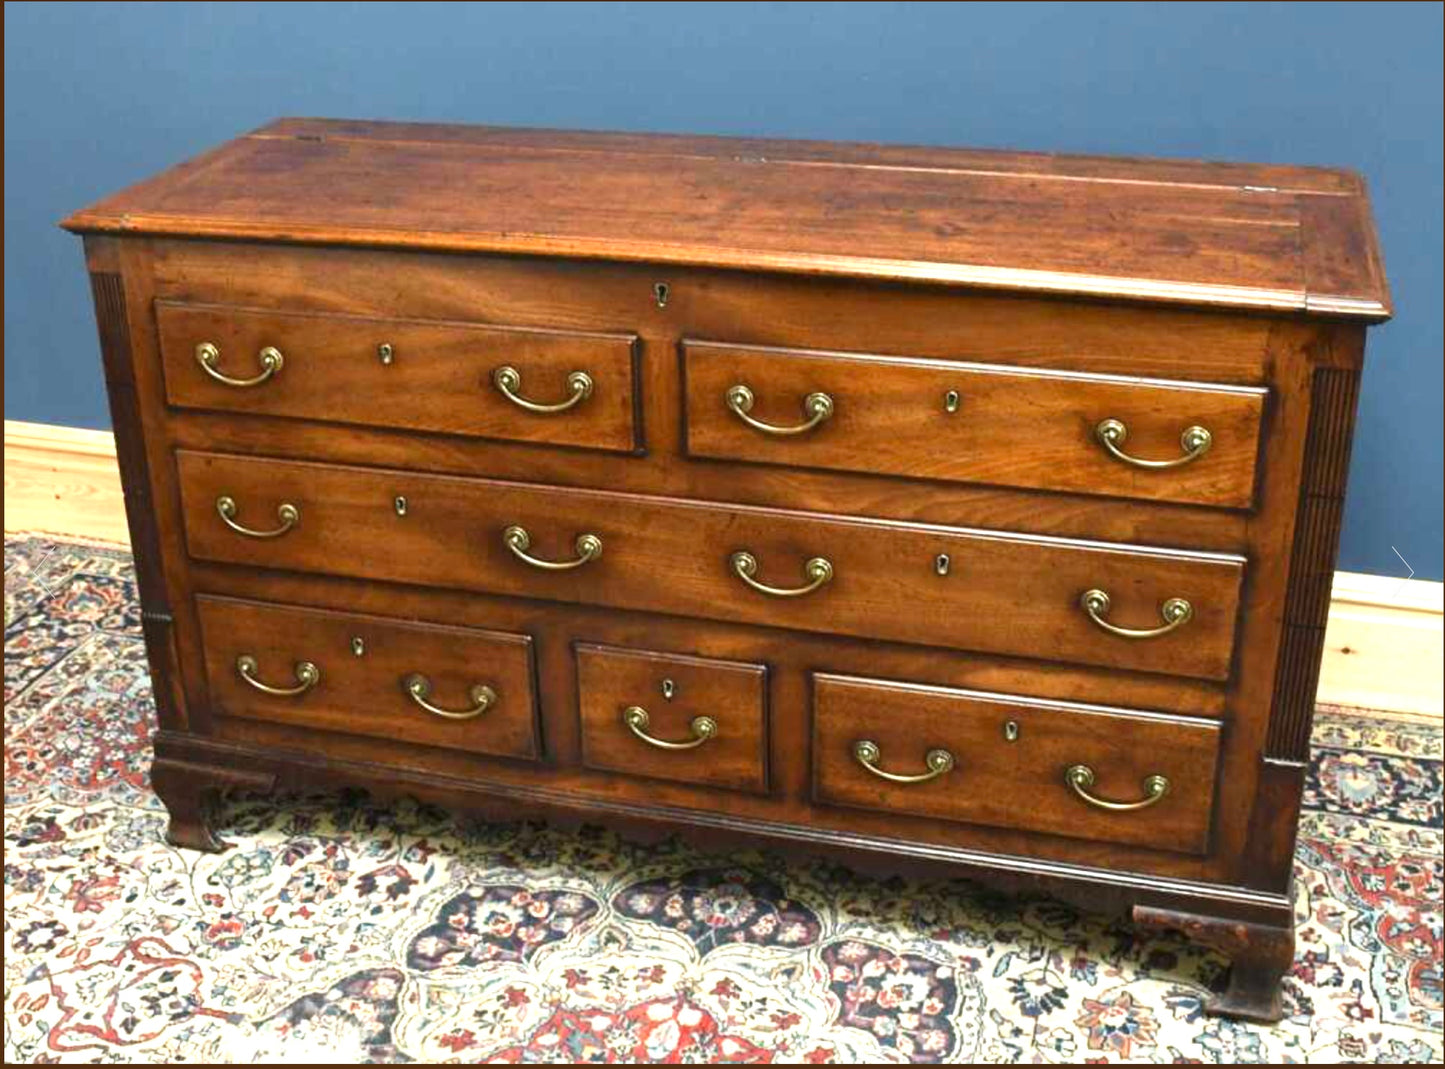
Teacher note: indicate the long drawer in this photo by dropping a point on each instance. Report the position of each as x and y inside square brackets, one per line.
[432, 685]
[562, 387]
[973, 422]
[1111, 775]
[1030, 596]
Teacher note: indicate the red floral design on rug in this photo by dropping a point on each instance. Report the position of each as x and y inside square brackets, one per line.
[342, 930]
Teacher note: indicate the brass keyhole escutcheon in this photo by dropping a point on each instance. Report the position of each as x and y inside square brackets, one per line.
[1011, 731]
[951, 401]
[358, 646]
[660, 292]
[942, 563]
[669, 689]
[399, 504]
[385, 353]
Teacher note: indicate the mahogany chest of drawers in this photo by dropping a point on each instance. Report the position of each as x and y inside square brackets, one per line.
[927, 507]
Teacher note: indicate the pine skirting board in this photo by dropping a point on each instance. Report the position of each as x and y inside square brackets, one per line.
[1385, 643]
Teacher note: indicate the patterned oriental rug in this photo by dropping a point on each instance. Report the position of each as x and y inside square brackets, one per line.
[341, 930]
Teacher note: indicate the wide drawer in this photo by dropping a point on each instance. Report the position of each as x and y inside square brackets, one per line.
[1082, 771]
[973, 422]
[970, 589]
[562, 387]
[697, 720]
[426, 684]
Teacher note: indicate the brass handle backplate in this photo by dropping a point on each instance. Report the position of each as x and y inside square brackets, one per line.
[1112, 433]
[418, 688]
[1176, 613]
[702, 728]
[287, 513]
[1081, 778]
[817, 407]
[589, 548]
[939, 762]
[508, 380]
[307, 676]
[819, 571]
[208, 354]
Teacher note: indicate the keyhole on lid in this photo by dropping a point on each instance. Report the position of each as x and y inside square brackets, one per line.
[950, 401]
[385, 353]
[1011, 731]
[942, 563]
[358, 646]
[660, 291]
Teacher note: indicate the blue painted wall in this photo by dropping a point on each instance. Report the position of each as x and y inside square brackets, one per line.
[100, 95]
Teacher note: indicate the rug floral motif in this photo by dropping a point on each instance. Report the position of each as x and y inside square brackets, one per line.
[341, 930]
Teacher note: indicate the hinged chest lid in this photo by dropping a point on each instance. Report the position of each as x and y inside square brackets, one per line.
[1285, 239]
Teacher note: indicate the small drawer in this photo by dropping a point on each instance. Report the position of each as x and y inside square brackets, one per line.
[425, 684]
[1082, 771]
[552, 386]
[668, 716]
[973, 422]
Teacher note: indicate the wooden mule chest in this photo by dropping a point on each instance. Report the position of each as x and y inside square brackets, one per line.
[931, 508]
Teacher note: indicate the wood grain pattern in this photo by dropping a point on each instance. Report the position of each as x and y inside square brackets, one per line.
[1015, 783]
[1029, 330]
[1149, 237]
[439, 375]
[673, 556]
[364, 694]
[112, 318]
[1242, 290]
[733, 694]
[1384, 633]
[1011, 427]
[791, 658]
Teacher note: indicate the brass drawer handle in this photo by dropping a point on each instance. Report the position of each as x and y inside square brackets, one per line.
[1081, 778]
[307, 676]
[1113, 433]
[418, 688]
[287, 513]
[509, 380]
[270, 359]
[819, 571]
[818, 407]
[702, 728]
[1176, 613]
[939, 761]
[589, 548]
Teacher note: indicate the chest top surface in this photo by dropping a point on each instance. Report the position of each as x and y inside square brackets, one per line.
[1283, 239]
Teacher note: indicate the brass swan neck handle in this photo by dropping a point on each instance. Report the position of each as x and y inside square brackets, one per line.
[637, 721]
[508, 380]
[817, 409]
[1081, 778]
[1113, 433]
[937, 760]
[208, 355]
[418, 688]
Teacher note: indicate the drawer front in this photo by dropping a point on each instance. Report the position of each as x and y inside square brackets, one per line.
[982, 590]
[421, 683]
[413, 374]
[968, 422]
[668, 716]
[1006, 761]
